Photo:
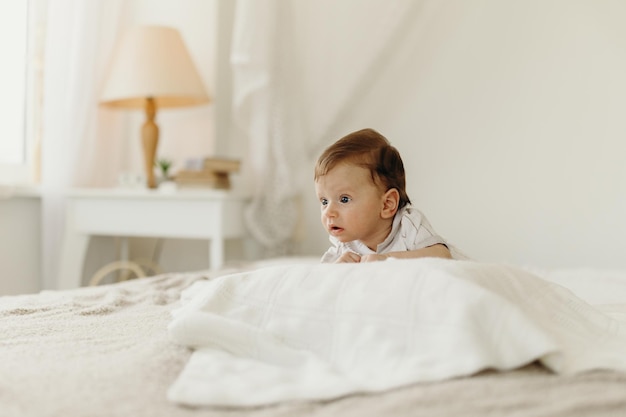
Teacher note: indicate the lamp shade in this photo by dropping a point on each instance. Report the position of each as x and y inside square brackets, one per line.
[153, 62]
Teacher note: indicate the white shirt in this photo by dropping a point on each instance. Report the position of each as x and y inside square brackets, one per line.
[410, 230]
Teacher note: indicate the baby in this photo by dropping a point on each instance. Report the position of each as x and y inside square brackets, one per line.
[360, 183]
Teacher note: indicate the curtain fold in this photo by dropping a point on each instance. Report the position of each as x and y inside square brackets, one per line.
[262, 82]
[79, 37]
[300, 73]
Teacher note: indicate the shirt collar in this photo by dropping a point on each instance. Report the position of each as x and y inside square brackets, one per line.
[395, 226]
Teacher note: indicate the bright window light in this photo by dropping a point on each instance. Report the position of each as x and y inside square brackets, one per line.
[13, 80]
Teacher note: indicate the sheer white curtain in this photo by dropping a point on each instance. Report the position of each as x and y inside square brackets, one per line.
[77, 145]
[263, 81]
[301, 71]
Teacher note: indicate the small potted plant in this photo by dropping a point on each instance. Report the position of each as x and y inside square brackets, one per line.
[164, 166]
[165, 181]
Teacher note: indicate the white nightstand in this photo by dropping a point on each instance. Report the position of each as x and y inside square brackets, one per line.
[215, 215]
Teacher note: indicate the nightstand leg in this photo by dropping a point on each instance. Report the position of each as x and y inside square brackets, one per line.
[72, 260]
[216, 254]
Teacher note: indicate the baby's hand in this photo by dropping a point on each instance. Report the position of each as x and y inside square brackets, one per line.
[348, 257]
[373, 258]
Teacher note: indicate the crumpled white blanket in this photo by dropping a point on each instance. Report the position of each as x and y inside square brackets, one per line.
[310, 332]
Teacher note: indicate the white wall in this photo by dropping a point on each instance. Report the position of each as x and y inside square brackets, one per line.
[510, 118]
[20, 253]
[515, 134]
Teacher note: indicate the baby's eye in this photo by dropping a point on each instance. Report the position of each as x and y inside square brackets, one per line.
[324, 201]
[344, 199]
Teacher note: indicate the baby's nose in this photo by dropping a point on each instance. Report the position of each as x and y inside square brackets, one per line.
[331, 210]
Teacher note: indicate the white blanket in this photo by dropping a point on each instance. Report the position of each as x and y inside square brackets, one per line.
[304, 332]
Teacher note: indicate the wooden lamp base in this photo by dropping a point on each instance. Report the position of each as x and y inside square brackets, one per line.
[150, 141]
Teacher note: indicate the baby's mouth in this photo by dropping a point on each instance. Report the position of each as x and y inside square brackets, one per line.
[335, 229]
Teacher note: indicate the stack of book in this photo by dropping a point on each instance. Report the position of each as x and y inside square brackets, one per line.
[207, 173]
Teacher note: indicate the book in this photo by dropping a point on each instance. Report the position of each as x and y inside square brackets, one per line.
[215, 164]
[202, 178]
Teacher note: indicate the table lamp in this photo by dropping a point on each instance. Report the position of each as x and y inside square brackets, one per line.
[151, 68]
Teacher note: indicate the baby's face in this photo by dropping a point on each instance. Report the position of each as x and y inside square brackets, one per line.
[351, 205]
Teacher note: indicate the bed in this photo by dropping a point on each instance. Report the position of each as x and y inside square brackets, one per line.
[128, 349]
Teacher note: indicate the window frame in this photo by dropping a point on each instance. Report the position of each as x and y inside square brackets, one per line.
[26, 172]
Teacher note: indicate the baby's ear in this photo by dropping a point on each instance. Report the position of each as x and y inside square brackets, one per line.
[391, 199]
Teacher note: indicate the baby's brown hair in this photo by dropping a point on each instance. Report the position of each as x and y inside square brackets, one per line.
[368, 149]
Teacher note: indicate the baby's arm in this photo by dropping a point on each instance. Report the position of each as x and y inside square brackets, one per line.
[434, 251]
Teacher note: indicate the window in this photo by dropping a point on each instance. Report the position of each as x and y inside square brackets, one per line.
[20, 83]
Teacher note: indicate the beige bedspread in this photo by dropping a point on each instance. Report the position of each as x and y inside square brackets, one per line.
[105, 351]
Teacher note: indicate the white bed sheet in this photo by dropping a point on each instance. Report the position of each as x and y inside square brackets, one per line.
[594, 285]
[105, 352]
[301, 332]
